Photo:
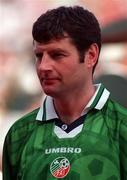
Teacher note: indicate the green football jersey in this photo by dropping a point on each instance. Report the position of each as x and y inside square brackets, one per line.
[94, 150]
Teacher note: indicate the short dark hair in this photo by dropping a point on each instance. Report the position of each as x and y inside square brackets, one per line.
[80, 24]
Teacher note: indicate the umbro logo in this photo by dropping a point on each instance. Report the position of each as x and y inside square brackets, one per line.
[63, 150]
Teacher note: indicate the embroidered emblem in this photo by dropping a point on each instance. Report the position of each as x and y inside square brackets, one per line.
[60, 167]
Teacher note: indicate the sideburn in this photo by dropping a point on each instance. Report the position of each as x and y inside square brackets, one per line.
[81, 56]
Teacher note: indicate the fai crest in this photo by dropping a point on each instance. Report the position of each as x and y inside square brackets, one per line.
[60, 167]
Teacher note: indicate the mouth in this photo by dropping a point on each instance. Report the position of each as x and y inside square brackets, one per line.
[49, 81]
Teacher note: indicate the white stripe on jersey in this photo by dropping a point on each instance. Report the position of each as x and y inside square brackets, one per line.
[62, 134]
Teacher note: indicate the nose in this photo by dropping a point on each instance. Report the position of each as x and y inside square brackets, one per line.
[45, 64]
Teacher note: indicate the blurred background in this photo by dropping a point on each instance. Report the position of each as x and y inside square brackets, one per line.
[20, 91]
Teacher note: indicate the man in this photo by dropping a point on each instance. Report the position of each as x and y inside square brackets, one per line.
[79, 132]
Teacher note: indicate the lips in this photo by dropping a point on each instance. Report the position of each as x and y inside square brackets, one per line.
[49, 81]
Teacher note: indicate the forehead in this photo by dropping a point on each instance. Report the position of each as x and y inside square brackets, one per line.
[63, 43]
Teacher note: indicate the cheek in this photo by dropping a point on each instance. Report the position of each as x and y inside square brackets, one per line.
[38, 72]
[72, 73]
[70, 67]
[37, 68]
[79, 73]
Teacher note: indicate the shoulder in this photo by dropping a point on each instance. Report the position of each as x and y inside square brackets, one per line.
[26, 119]
[116, 110]
[115, 117]
[17, 137]
[23, 126]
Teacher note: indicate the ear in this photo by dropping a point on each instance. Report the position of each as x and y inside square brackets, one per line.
[92, 54]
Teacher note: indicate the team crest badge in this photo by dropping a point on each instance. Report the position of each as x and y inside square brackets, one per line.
[60, 167]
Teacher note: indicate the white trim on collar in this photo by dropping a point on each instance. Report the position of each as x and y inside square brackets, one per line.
[97, 87]
[103, 99]
[51, 113]
[51, 110]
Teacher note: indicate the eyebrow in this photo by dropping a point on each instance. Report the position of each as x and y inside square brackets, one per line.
[40, 50]
[58, 50]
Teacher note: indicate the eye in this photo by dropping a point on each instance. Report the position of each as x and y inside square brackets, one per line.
[57, 56]
[38, 56]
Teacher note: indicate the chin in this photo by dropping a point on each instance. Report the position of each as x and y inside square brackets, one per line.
[50, 92]
[53, 94]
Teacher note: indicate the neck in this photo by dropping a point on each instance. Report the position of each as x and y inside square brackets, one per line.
[69, 108]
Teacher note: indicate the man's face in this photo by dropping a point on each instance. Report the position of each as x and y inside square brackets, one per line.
[58, 67]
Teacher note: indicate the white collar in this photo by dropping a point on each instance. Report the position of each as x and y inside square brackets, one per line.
[100, 97]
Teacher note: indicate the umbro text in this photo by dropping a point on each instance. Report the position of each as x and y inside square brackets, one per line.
[63, 150]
